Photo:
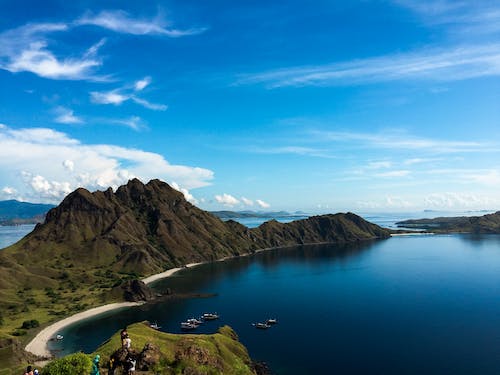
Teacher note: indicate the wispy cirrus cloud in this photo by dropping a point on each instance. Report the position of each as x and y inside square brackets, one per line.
[472, 16]
[398, 140]
[133, 122]
[123, 94]
[121, 22]
[291, 150]
[42, 164]
[25, 49]
[449, 64]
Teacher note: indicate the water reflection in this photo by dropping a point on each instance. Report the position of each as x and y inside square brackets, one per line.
[480, 239]
[194, 280]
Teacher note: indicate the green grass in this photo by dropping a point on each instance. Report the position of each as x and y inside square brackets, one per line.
[222, 353]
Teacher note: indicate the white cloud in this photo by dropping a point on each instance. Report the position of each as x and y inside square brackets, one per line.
[389, 202]
[47, 189]
[189, 197]
[452, 64]
[397, 173]
[149, 105]
[69, 165]
[25, 49]
[227, 200]
[121, 22]
[262, 204]
[8, 192]
[294, 150]
[414, 161]
[247, 201]
[464, 19]
[142, 83]
[134, 123]
[108, 97]
[66, 116]
[49, 155]
[123, 94]
[398, 140]
[456, 200]
[379, 165]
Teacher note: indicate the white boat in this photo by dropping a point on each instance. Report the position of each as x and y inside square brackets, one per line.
[154, 325]
[59, 337]
[261, 325]
[210, 316]
[194, 321]
[188, 326]
[271, 321]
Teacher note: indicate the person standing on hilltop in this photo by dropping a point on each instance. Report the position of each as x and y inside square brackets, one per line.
[29, 371]
[123, 333]
[95, 365]
[125, 339]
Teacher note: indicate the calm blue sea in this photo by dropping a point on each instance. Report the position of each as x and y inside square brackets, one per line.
[426, 304]
[12, 234]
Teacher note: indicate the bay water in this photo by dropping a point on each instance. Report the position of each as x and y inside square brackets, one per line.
[406, 305]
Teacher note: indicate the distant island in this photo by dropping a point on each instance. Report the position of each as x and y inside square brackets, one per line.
[93, 248]
[14, 212]
[489, 223]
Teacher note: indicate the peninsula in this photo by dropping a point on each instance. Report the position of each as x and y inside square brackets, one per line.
[93, 244]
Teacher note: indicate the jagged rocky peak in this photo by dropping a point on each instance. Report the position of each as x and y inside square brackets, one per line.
[136, 193]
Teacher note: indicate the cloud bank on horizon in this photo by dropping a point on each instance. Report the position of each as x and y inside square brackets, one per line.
[361, 106]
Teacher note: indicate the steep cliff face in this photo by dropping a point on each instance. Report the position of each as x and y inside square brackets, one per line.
[147, 228]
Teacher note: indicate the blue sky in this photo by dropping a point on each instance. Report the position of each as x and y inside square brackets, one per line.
[326, 106]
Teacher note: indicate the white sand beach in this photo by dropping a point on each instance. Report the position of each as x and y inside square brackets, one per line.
[39, 344]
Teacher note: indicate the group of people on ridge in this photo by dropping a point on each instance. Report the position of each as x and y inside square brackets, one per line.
[128, 366]
[30, 371]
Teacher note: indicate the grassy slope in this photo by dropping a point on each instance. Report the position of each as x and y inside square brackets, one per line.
[223, 350]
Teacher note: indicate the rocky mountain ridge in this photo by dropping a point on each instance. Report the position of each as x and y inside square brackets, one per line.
[143, 229]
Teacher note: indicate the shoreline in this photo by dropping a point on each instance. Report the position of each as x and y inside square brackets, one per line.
[39, 344]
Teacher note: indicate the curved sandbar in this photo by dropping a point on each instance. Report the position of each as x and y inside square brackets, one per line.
[39, 344]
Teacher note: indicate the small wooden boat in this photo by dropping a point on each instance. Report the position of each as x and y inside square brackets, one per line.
[188, 326]
[210, 316]
[154, 325]
[261, 325]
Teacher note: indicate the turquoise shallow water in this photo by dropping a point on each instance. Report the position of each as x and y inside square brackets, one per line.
[406, 305]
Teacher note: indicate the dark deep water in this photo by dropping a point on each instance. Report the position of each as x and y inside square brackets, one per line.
[407, 305]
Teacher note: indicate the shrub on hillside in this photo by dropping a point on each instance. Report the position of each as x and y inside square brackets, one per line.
[73, 364]
[27, 324]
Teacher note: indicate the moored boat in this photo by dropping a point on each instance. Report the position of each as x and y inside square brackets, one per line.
[271, 321]
[194, 321]
[261, 325]
[154, 325]
[186, 326]
[210, 316]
